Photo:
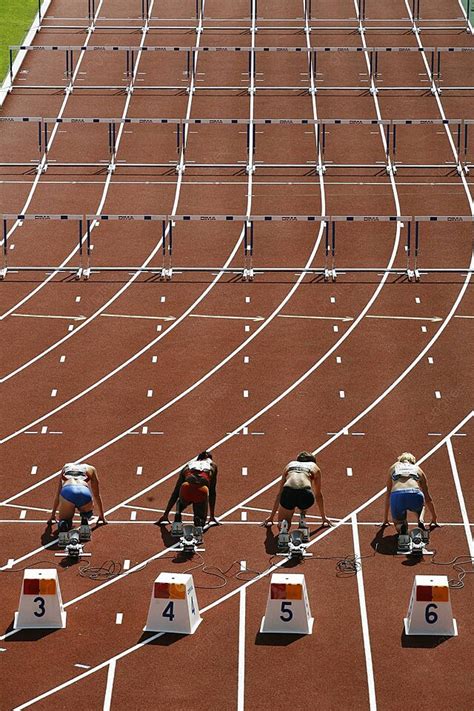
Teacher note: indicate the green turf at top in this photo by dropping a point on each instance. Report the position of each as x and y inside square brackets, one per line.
[16, 17]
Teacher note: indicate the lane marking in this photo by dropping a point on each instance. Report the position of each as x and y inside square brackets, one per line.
[342, 395]
[54, 392]
[433, 319]
[349, 471]
[430, 360]
[126, 564]
[437, 395]
[338, 359]
[34, 469]
[240, 318]
[363, 616]
[244, 471]
[68, 318]
[138, 316]
[319, 318]
[246, 393]
[243, 515]
[246, 359]
[241, 659]
[119, 618]
[62, 359]
[133, 515]
[22, 514]
[109, 686]
[83, 666]
[459, 492]
[139, 471]
[149, 393]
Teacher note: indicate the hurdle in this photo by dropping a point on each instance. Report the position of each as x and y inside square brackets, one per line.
[193, 52]
[413, 245]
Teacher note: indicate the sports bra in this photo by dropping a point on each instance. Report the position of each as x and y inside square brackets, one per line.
[305, 467]
[199, 471]
[75, 473]
[405, 470]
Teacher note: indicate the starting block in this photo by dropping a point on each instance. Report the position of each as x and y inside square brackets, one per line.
[288, 610]
[190, 537]
[72, 542]
[293, 544]
[173, 606]
[429, 612]
[414, 543]
[41, 605]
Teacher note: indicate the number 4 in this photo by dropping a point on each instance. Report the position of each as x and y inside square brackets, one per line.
[169, 611]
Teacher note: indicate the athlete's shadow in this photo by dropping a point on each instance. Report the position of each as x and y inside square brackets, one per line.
[166, 537]
[48, 536]
[386, 545]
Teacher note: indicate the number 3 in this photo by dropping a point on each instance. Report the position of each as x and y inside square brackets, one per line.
[41, 611]
[287, 613]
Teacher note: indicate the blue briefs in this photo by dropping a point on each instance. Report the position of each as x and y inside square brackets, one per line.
[404, 500]
[79, 495]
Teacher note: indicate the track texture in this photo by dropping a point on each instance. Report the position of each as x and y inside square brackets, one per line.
[135, 375]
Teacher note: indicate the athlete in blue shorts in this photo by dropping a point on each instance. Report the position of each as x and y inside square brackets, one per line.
[407, 490]
[78, 486]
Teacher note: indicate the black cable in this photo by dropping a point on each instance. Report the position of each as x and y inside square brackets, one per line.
[457, 565]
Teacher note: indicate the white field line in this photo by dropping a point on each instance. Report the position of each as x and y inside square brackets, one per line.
[363, 617]
[241, 656]
[459, 492]
[39, 173]
[227, 596]
[464, 12]
[110, 686]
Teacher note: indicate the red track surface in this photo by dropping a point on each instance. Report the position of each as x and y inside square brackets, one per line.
[292, 368]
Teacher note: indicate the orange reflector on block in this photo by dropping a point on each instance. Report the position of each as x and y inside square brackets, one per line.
[177, 591]
[47, 587]
[294, 592]
[440, 593]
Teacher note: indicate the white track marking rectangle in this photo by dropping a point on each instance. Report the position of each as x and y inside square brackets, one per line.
[119, 618]
[342, 394]
[126, 564]
[62, 359]
[247, 299]
[364, 619]
[459, 492]
[424, 329]
[154, 359]
[430, 360]
[159, 327]
[437, 395]
[23, 514]
[162, 299]
[149, 393]
[44, 429]
[246, 359]
[349, 471]
[34, 469]
[245, 430]
[110, 686]
[133, 515]
[247, 328]
[243, 515]
[82, 666]
[139, 471]
[144, 429]
[333, 299]
[54, 392]
[338, 359]
[335, 329]
[70, 327]
[244, 471]
[241, 658]
[246, 393]
[417, 300]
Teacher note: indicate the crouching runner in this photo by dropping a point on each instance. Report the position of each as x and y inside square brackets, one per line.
[196, 485]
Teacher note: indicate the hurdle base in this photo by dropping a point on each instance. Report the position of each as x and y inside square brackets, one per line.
[40, 626]
[192, 629]
[429, 634]
[309, 630]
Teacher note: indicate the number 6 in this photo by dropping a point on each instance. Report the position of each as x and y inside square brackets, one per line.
[430, 615]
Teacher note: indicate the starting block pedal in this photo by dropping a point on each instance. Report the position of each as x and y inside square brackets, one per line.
[303, 527]
[177, 529]
[414, 543]
[287, 608]
[430, 612]
[41, 605]
[173, 606]
[190, 537]
[283, 540]
[71, 542]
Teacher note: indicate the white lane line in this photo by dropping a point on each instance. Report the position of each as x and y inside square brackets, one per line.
[239, 318]
[433, 319]
[460, 316]
[459, 492]
[363, 616]
[319, 318]
[110, 686]
[138, 316]
[241, 662]
[68, 318]
[83, 666]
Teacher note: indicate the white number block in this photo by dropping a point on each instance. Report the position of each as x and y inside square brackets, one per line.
[174, 606]
[430, 610]
[288, 608]
[41, 605]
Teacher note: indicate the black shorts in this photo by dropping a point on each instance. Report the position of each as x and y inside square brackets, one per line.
[296, 498]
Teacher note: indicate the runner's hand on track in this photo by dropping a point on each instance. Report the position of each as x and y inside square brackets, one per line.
[385, 523]
[268, 522]
[326, 522]
[162, 521]
[213, 521]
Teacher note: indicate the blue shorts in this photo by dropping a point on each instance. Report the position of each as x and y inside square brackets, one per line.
[404, 500]
[77, 495]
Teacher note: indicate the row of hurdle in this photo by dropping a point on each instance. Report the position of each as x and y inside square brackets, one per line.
[396, 131]
[143, 20]
[166, 225]
[174, 606]
[313, 57]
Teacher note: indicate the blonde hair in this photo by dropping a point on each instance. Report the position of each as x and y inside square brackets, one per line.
[407, 457]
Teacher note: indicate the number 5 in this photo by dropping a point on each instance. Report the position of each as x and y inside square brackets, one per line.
[287, 612]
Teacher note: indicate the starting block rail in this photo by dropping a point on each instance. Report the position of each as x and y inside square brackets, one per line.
[192, 53]
[249, 226]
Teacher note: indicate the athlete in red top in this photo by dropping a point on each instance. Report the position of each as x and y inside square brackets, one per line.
[196, 485]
